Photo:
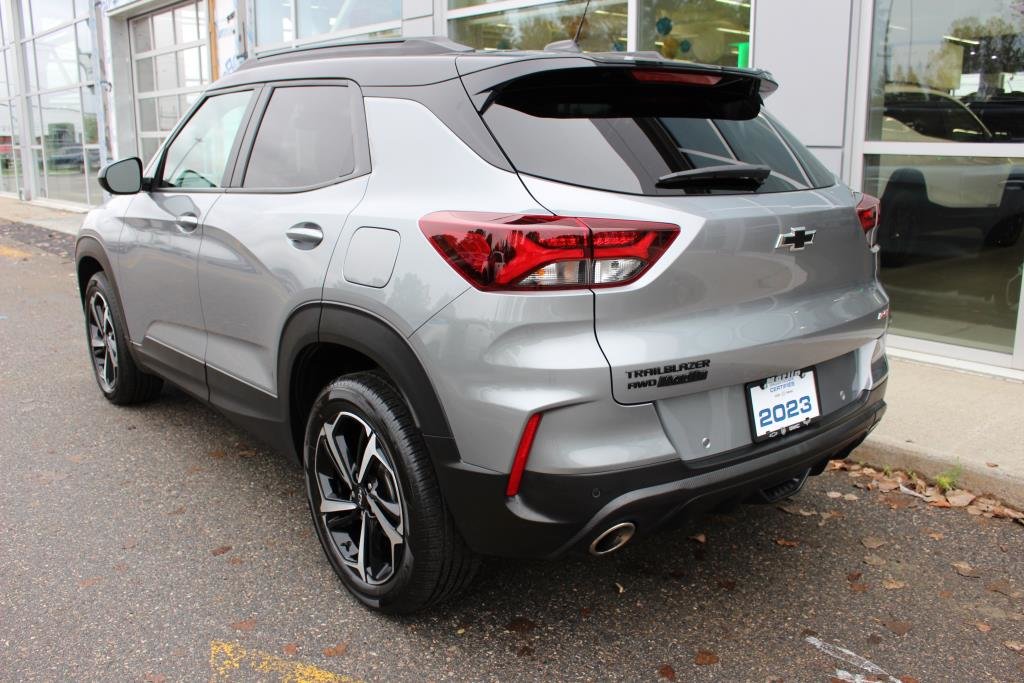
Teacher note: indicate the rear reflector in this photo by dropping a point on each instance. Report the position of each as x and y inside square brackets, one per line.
[517, 252]
[515, 477]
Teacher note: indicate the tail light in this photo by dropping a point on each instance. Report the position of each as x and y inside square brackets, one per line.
[517, 252]
[869, 215]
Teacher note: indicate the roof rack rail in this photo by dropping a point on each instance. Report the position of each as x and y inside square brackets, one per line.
[420, 45]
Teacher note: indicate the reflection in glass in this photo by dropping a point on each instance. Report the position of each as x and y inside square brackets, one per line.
[186, 23]
[705, 31]
[92, 160]
[57, 58]
[49, 13]
[274, 22]
[951, 246]
[90, 123]
[198, 156]
[84, 51]
[142, 38]
[532, 28]
[327, 16]
[950, 72]
[163, 29]
[62, 145]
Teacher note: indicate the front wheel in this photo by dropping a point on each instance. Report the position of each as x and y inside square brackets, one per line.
[375, 501]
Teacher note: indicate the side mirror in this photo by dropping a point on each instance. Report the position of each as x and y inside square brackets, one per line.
[122, 177]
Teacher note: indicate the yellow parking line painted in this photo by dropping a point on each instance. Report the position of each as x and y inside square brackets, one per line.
[231, 662]
[12, 253]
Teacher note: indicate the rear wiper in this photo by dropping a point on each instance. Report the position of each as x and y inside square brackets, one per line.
[727, 177]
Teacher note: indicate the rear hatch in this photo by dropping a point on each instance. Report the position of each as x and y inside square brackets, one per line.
[770, 271]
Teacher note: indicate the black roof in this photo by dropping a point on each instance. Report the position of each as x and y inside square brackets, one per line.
[420, 61]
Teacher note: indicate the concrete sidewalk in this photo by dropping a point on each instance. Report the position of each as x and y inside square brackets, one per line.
[939, 420]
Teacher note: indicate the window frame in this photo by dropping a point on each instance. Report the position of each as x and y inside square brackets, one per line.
[151, 181]
[360, 136]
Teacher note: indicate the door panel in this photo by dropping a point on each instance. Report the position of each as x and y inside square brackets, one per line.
[159, 286]
[252, 276]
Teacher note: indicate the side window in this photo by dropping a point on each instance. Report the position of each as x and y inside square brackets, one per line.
[305, 138]
[198, 157]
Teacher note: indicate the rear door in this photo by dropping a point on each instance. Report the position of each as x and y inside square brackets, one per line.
[759, 281]
[268, 242]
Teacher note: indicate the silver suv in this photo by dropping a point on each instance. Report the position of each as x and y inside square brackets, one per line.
[494, 303]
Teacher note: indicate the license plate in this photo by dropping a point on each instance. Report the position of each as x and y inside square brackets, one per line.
[782, 404]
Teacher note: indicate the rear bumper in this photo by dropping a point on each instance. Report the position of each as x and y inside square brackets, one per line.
[556, 513]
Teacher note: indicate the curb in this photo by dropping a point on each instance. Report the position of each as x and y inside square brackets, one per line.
[881, 451]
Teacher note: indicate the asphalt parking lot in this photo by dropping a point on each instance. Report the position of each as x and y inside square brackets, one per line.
[159, 543]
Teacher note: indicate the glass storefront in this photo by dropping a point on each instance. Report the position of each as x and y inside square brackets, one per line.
[948, 79]
[171, 64]
[286, 21]
[10, 151]
[705, 31]
[531, 28]
[62, 100]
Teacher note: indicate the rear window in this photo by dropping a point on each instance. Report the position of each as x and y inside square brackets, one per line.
[601, 145]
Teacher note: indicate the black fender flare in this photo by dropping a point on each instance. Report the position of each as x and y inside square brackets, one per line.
[89, 246]
[373, 337]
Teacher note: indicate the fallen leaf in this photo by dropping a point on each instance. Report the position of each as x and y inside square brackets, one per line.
[827, 515]
[964, 569]
[854, 576]
[786, 543]
[521, 625]
[960, 499]
[982, 626]
[705, 657]
[991, 464]
[908, 679]
[667, 672]
[859, 587]
[1015, 645]
[899, 501]
[945, 595]
[936, 536]
[291, 649]
[244, 625]
[796, 510]
[874, 561]
[900, 628]
[619, 588]
[893, 584]
[336, 651]
[834, 494]
[872, 542]
[939, 502]
[459, 631]
[700, 538]
[850, 496]
[235, 560]
[217, 453]
[246, 453]
[1003, 587]
[886, 486]
[220, 550]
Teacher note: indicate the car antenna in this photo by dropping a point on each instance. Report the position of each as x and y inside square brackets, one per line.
[572, 45]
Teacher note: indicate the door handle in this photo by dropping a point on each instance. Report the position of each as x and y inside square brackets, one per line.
[187, 222]
[305, 235]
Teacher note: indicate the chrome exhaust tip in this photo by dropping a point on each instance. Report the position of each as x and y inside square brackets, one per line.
[612, 538]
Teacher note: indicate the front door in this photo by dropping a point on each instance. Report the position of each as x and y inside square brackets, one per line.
[160, 242]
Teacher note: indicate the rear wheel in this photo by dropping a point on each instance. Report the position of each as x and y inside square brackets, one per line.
[375, 501]
[119, 378]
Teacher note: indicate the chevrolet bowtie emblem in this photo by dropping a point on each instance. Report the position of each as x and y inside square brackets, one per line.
[796, 239]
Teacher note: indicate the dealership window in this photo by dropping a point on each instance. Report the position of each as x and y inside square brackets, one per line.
[10, 150]
[62, 100]
[534, 26]
[945, 109]
[279, 22]
[171, 65]
[705, 31]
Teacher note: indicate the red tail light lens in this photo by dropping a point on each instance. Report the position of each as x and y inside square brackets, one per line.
[867, 212]
[511, 252]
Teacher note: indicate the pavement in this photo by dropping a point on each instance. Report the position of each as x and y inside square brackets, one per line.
[158, 543]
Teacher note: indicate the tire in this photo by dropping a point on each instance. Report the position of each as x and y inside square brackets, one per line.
[1006, 232]
[380, 517]
[119, 378]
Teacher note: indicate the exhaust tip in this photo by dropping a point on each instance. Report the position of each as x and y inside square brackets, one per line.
[612, 538]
